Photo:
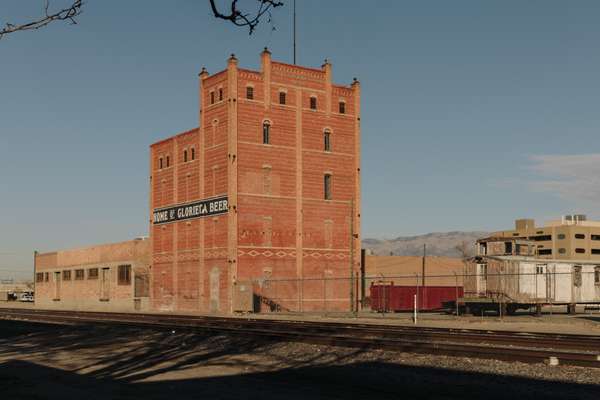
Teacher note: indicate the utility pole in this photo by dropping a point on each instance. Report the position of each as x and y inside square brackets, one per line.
[423, 269]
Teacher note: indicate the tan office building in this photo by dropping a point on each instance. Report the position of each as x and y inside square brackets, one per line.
[572, 237]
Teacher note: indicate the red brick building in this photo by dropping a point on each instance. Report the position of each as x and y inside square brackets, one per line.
[266, 188]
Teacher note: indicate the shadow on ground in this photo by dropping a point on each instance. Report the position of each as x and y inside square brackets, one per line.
[102, 368]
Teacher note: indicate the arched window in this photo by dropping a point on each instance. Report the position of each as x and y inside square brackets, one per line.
[220, 94]
[212, 97]
[168, 161]
[160, 163]
[326, 140]
[266, 132]
[184, 155]
[193, 150]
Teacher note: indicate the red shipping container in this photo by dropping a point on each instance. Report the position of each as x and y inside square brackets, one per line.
[388, 297]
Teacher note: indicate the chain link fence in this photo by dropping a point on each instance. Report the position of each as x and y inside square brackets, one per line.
[430, 293]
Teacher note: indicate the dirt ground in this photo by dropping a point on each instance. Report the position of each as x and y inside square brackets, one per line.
[41, 361]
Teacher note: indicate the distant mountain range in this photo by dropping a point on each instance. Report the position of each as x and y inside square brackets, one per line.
[437, 244]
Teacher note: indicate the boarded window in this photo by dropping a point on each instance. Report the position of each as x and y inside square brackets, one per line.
[266, 132]
[267, 231]
[328, 234]
[93, 273]
[577, 276]
[66, 275]
[313, 103]
[327, 186]
[281, 97]
[79, 274]
[267, 180]
[39, 277]
[342, 107]
[124, 274]
[250, 93]
[141, 287]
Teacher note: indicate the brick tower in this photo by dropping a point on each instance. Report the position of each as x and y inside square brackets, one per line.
[266, 189]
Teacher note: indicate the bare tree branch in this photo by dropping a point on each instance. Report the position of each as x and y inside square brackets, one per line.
[67, 14]
[239, 18]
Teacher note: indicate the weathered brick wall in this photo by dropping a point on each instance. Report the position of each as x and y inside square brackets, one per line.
[91, 293]
[279, 224]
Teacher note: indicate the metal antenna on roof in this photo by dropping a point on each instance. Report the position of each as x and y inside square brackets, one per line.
[294, 23]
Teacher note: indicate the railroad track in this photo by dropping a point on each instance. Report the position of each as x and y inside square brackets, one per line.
[581, 350]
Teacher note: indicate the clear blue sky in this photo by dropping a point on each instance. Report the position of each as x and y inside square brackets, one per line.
[474, 112]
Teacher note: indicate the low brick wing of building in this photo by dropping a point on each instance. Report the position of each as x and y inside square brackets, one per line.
[108, 277]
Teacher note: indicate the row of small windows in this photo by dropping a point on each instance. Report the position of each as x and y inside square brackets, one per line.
[266, 136]
[124, 275]
[577, 270]
[165, 162]
[283, 100]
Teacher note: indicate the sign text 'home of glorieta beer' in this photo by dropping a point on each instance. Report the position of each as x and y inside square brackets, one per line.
[197, 209]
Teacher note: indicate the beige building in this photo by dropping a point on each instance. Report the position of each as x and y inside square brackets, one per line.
[572, 237]
[107, 277]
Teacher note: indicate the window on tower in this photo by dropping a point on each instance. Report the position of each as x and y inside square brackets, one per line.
[327, 186]
[250, 93]
[266, 132]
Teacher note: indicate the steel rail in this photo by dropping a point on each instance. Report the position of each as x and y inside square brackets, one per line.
[453, 342]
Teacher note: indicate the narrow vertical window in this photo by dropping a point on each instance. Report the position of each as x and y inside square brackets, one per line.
[342, 107]
[212, 97]
[193, 150]
[160, 163]
[281, 97]
[220, 94]
[313, 103]
[327, 186]
[184, 155]
[597, 275]
[124, 274]
[167, 161]
[266, 132]
[250, 92]
[327, 140]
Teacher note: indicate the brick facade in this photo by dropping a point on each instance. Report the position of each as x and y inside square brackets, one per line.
[87, 279]
[279, 224]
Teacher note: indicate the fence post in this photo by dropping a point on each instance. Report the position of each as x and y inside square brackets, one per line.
[324, 292]
[417, 285]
